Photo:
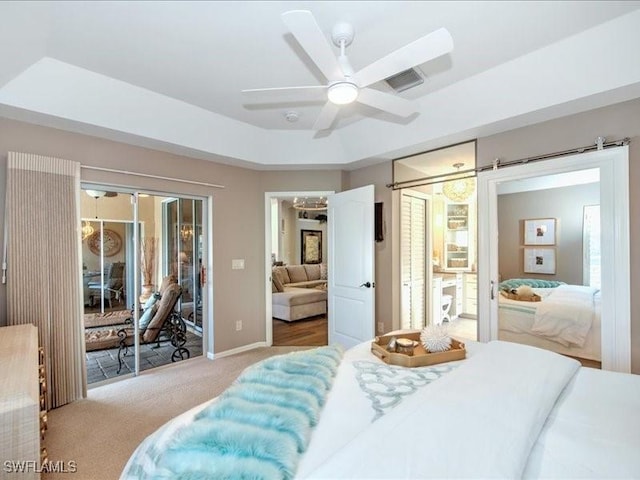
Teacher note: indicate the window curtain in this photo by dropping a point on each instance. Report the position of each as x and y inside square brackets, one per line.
[43, 264]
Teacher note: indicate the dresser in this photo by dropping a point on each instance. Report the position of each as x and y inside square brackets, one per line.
[470, 292]
[20, 385]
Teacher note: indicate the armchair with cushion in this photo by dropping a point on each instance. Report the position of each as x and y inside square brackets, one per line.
[159, 323]
[113, 287]
[101, 329]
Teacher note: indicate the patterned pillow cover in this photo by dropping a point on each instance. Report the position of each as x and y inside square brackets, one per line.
[532, 282]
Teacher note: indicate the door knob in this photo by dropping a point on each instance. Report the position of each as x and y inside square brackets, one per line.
[366, 284]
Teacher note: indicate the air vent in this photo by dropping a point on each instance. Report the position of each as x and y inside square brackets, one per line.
[405, 80]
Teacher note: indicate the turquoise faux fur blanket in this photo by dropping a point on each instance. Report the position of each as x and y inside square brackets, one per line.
[260, 426]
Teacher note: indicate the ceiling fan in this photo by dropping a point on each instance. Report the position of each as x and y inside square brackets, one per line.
[345, 86]
[100, 193]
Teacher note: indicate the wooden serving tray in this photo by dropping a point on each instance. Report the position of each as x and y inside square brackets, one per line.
[420, 357]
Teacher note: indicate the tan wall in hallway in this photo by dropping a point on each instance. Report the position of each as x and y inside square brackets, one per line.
[238, 211]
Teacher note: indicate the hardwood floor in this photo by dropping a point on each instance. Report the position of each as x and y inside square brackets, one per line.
[308, 332]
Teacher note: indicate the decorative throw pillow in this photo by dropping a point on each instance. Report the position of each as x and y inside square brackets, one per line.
[284, 275]
[532, 282]
[323, 271]
[146, 317]
[151, 301]
[277, 283]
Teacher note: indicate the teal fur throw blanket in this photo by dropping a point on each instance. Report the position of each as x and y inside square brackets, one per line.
[260, 426]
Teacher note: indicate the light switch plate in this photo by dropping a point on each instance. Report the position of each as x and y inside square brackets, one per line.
[237, 264]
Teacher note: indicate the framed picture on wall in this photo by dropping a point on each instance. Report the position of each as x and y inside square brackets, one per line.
[311, 246]
[540, 260]
[540, 231]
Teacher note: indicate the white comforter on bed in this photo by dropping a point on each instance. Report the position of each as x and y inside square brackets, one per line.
[566, 314]
[506, 411]
[491, 407]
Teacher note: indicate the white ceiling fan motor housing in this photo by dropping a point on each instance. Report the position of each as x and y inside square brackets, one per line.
[342, 32]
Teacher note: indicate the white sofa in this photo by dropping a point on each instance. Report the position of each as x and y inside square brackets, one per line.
[297, 291]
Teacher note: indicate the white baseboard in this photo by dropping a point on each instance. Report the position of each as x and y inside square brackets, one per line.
[233, 351]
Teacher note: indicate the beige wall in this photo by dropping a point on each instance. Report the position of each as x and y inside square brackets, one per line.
[566, 205]
[238, 211]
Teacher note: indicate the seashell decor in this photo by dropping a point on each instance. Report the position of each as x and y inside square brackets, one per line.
[435, 338]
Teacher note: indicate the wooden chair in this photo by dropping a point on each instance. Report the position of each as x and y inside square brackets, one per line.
[113, 286]
[165, 325]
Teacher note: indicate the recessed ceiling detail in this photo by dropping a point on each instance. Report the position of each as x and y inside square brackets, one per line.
[164, 75]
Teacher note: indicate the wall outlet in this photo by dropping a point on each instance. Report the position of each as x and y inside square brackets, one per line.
[238, 325]
[380, 327]
[237, 264]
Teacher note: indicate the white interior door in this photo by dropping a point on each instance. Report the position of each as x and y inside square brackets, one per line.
[351, 266]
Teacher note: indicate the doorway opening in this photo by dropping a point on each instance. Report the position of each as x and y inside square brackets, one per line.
[296, 255]
[143, 302]
[438, 239]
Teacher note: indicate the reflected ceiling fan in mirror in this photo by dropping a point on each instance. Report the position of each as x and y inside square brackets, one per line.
[344, 86]
[88, 229]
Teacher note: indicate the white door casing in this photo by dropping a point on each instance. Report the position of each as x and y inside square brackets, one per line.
[614, 204]
[268, 196]
[351, 287]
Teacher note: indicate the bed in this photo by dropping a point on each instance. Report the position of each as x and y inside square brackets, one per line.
[566, 320]
[506, 411]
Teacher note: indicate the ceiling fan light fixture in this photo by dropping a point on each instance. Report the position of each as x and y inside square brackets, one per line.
[460, 189]
[311, 204]
[342, 93]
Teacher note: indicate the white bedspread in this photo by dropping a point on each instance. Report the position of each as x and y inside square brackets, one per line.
[566, 314]
[507, 411]
[492, 408]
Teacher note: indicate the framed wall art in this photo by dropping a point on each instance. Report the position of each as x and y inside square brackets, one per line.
[540, 231]
[311, 246]
[540, 260]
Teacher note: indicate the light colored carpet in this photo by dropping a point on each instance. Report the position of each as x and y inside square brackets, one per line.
[101, 432]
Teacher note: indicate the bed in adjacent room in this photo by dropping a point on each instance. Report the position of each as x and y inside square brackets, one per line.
[507, 411]
[566, 320]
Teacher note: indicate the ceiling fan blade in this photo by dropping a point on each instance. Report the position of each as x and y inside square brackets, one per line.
[326, 117]
[307, 32]
[418, 52]
[314, 92]
[386, 102]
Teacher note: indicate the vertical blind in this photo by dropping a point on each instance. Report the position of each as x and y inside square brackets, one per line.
[43, 265]
[414, 262]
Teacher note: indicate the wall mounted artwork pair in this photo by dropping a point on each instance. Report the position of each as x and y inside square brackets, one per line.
[540, 232]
